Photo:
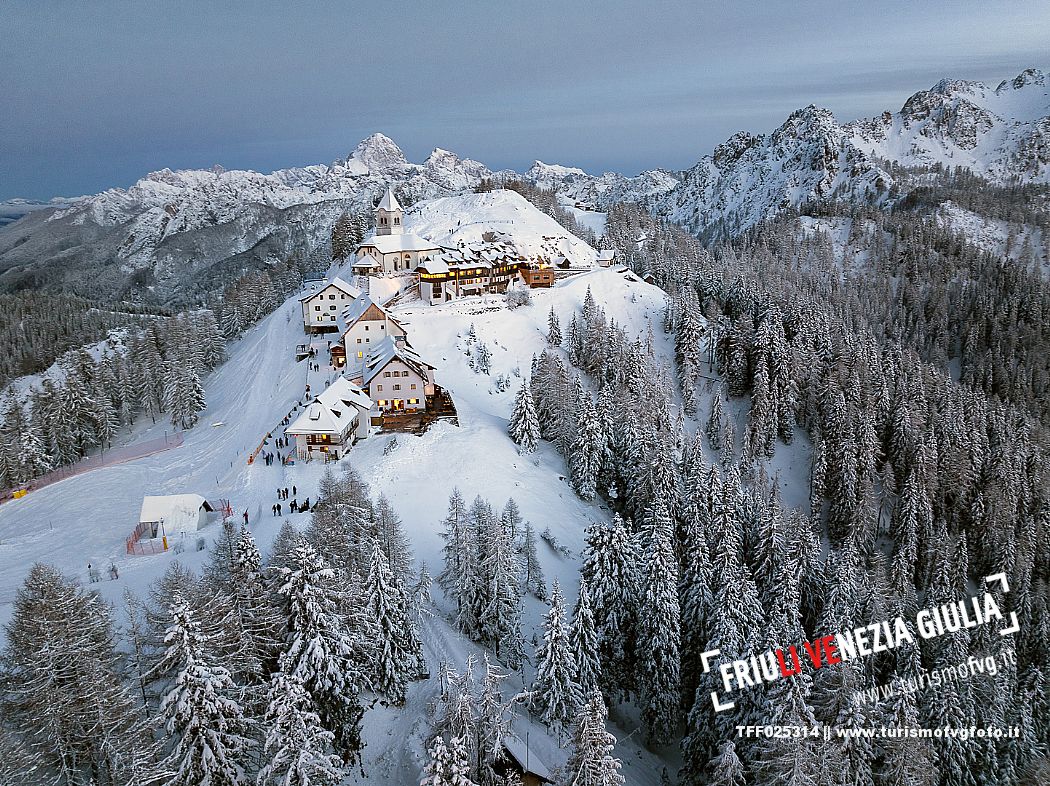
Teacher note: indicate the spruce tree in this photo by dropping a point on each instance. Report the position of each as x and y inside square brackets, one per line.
[64, 689]
[553, 329]
[201, 713]
[524, 427]
[555, 693]
[298, 749]
[592, 762]
[395, 648]
[448, 764]
[659, 634]
[321, 651]
[584, 641]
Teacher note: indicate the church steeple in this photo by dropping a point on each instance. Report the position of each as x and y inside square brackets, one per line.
[390, 215]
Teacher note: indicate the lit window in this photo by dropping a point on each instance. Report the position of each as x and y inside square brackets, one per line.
[360, 354]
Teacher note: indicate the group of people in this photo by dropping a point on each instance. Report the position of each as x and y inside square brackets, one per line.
[293, 507]
[281, 442]
[269, 458]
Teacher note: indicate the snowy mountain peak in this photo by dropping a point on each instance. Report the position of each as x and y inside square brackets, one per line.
[541, 171]
[377, 153]
[1030, 76]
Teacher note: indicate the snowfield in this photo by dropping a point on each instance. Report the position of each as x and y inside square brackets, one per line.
[465, 218]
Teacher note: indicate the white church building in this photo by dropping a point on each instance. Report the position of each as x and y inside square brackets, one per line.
[391, 249]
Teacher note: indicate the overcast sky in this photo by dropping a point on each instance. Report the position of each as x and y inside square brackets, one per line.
[97, 94]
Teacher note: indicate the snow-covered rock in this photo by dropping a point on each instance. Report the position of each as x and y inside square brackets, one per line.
[1001, 134]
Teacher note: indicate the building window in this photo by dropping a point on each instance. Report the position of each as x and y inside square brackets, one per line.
[413, 400]
[359, 341]
[366, 327]
[397, 220]
[397, 387]
[331, 297]
[386, 373]
[317, 308]
[379, 387]
[331, 308]
[360, 354]
[413, 386]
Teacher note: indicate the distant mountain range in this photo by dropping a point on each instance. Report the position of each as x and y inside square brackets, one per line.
[173, 236]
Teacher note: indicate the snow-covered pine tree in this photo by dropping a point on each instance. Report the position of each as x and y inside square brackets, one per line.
[460, 553]
[202, 716]
[592, 762]
[524, 427]
[659, 634]
[183, 393]
[585, 455]
[583, 638]
[726, 768]
[327, 657]
[395, 649]
[298, 749]
[610, 570]
[341, 529]
[449, 764]
[532, 571]
[64, 690]
[393, 541]
[500, 625]
[555, 694]
[553, 329]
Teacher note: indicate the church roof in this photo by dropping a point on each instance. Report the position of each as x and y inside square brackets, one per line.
[389, 201]
[391, 244]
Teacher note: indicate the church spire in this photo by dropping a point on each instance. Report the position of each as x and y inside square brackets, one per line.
[389, 215]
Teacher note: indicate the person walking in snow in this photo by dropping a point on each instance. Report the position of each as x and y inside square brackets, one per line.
[246, 517]
[293, 491]
[278, 508]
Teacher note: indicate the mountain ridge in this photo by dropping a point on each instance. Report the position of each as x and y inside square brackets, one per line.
[179, 230]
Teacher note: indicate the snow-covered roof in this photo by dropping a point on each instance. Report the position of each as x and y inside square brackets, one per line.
[389, 201]
[178, 511]
[367, 261]
[606, 254]
[391, 244]
[339, 284]
[352, 313]
[436, 266]
[333, 411]
[388, 349]
[526, 759]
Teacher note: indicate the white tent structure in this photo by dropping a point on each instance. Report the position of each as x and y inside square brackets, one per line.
[173, 514]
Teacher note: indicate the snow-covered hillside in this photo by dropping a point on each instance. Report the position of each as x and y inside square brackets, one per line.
[467, 217]
[87, 518]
